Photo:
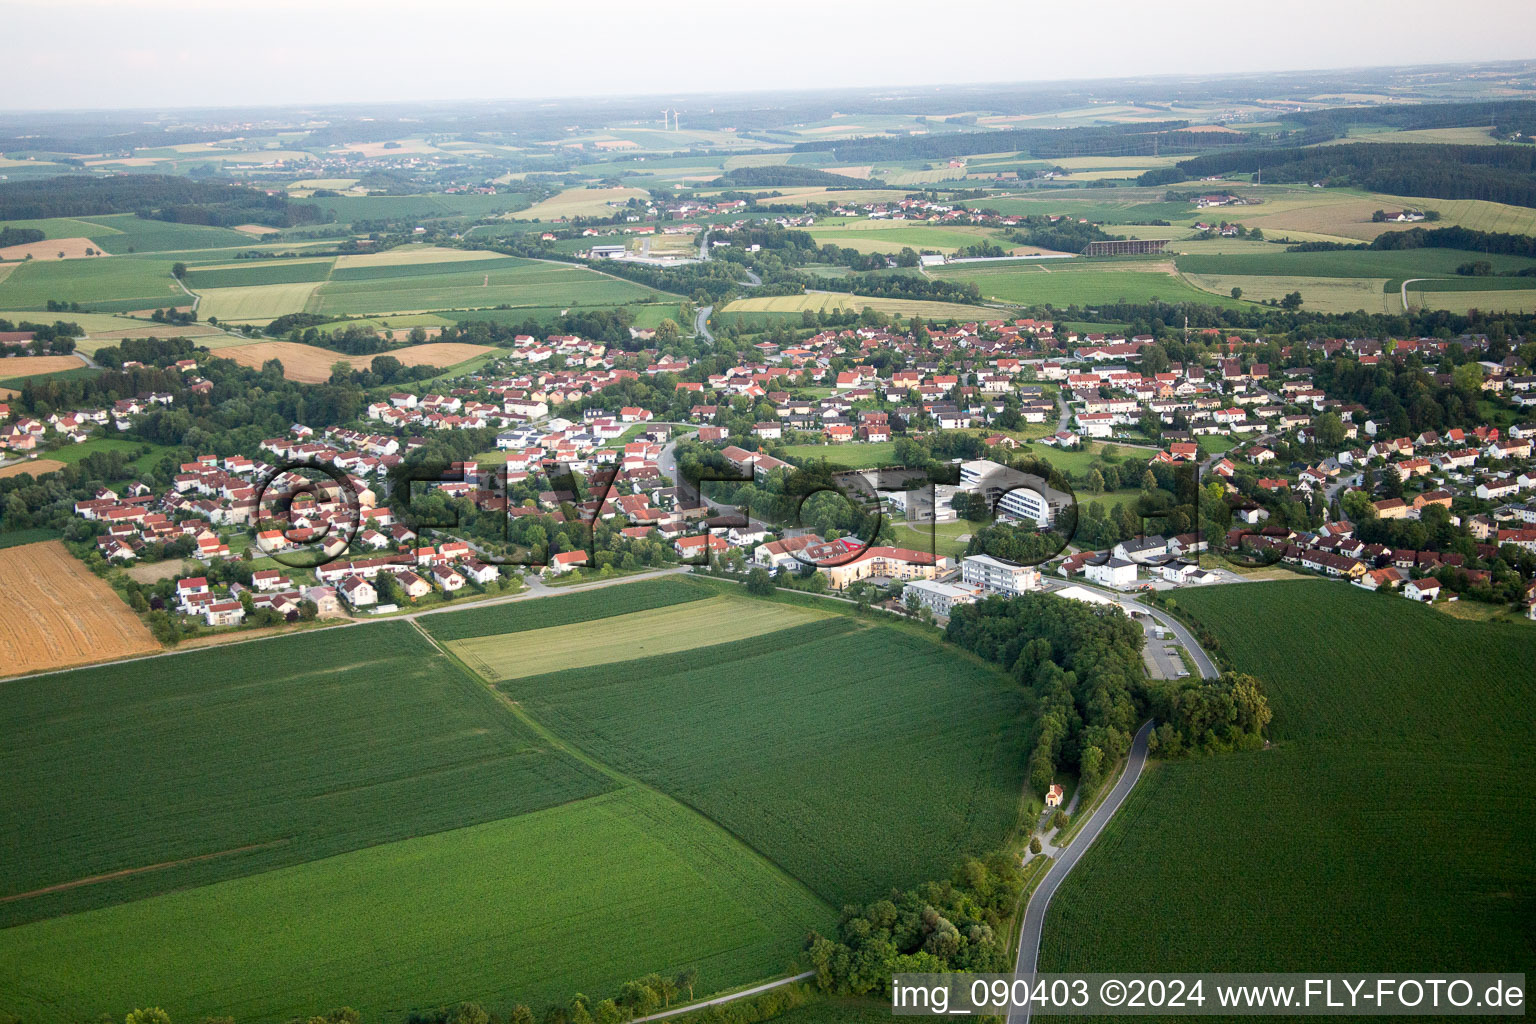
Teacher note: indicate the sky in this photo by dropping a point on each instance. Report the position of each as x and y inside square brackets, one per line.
[165, 54]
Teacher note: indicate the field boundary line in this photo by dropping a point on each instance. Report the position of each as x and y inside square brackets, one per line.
[129, 872]
[574, 750]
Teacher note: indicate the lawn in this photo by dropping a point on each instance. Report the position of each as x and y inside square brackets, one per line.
[509, 280]
[1389, 825]
[151, 453]
[642, 634]
[531, 909]
[861, 455]
[857, 758]
[263, 755]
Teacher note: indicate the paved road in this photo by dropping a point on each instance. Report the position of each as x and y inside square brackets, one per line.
[1066, 413]
[701, 324]
[1040, 900]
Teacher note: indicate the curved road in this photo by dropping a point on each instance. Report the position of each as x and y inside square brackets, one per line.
[1040, 900]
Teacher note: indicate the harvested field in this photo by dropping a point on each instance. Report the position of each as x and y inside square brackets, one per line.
[580, 202]
[54, 613]
[839, 300]
[310, 364]
[154, 572]
[53, 249]
[412, 254]
[36, 467]
[31, 366]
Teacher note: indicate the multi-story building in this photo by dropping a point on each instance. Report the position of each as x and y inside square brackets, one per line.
[998, 577]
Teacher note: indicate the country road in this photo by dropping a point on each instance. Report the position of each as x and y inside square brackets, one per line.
[1040, 901]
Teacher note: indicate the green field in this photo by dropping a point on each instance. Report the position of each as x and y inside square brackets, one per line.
[586, 606]
[862, 455]
[642, 634]
[1390, 824]
[427, 207]
[1079, 284]
[259, 272]
[110, 285]
[531, 909]
[321, 744]
[1394, 265]
[513, 281]
[857, 758]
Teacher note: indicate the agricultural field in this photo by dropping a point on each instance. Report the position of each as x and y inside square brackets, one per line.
[1392, 265]
[1079, 284]
[488, 281]
[814, 744]
[1401, 739]
[642, 634]
[107, 285]
[55, 613]
[31, 366]
[327, 742]
[1321, 294]
[585, 606]
[349, 209]
[312, 364]
[613, 886]
[893, 236]
[828, 301]
[248, 273]
[254, 303]
[33, 467]
[581, 202]
[53, 249]
[1460, 300]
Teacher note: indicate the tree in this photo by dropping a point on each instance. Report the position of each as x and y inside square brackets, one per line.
[687, 978]
[1292, 301]
[667, 330]
[759, 583]
[1094, 482]
[1330, 430]
[178, 270]
[151, 1015]
[1034, 844]
[1237, 293]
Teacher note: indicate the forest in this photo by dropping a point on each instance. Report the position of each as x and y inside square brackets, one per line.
[153, 197]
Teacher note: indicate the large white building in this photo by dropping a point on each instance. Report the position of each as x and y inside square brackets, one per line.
[998, 577]
[940, 597]
[1113, 572]
[1013, 494]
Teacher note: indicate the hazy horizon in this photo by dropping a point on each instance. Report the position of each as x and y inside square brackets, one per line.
[152, 55]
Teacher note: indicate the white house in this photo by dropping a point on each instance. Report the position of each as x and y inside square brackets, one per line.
[1114, 572]
[940, 597]
[1421, 590]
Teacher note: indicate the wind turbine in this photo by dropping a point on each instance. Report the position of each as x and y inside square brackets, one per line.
[664, 113]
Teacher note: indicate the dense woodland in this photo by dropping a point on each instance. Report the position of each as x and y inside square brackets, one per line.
[152, 196]
[1499, 174]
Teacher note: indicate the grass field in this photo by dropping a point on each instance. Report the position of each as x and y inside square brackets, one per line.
[613, 887]
[1394, 265]
[1030, 284]
[55, 613]
[1390, 823]
[817, 745]
[642, 634]
[831, 300]
[326, 742]
[1322, 294]
[893, 236]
